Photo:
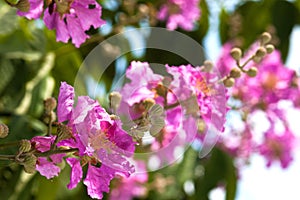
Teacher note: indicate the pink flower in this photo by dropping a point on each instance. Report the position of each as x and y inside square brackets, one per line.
[273, 81]
[278, 147]
[134, 186]
[180, 13]
[73, 20]
[46, 166]
[97, 137]
[143, 80]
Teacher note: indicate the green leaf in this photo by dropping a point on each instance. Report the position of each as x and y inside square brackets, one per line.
[8, 20]
[284, 18]
[219, 169]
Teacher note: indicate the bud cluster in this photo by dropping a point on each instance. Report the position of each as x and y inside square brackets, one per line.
[237, 54]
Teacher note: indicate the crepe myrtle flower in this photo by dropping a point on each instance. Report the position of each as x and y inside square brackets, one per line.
[180, 13]
[278, 147]
[100, 141]
[70, 18]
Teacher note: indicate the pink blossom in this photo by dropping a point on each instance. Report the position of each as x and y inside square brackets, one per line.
[278, 147]
[73, 23]
[180, 13]
[46, 167]
[98, 137]
[143, 81]
[134, 186]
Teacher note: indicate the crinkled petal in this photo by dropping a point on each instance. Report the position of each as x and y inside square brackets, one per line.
[76, 173]
[42, 143]
[97, 180]
[89, 16]
[75, 30]
[65, 102]
[46, 168]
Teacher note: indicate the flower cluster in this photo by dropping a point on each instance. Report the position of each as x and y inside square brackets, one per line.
[180, 13]
[70, 18]
[93, 136]
[187, 97]
[262, 93]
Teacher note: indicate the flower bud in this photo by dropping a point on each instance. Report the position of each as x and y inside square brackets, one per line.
[257, 59]
[208, 65]
[29, 164]
[261, 52]
[63, 6]
[63, 132]
[22, 5]
[144, 9]
[229, 82]
[252, 72]
[49, 118]
[270, 48]
[235, 73]
[148, 103]
[50, 104]
[3, 130]
[25, 146]
[265, 38]
[236, 53]
[201, 126]
[115, 100]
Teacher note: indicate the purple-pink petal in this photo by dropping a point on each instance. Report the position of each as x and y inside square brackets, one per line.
[46, 168]
[65, 102]
[97, 180]
[76, 172]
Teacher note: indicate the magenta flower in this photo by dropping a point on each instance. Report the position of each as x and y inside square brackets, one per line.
[180, 13]
[72, 21]
[278, 147]
[129, 188]
[97, 137]
[143, 80]
[46, 166]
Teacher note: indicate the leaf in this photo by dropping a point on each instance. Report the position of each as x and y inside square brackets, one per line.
[219, 169]
[8, 20]
[284, 18]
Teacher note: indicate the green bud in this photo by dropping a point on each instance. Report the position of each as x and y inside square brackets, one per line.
[201, 125]
[25, 146]
[229, 82]
[208, 65]
[235, 73]
[3, 130]
[50, 104]
[261, 52]
[49, 117]
[115, 100]
[270, 48]
[252, 72]
[236, 53]
[23, 5]
[257, 59]
[29, 164]
[63, 132]
[161, 89]
[265, 38]
[63, 6]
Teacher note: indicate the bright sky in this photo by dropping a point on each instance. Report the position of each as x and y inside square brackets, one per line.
[258, 182]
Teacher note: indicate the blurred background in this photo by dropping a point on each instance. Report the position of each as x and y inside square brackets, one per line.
[32, 65]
